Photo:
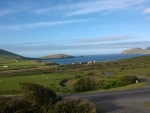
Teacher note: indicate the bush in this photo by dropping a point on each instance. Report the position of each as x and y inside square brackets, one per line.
[74, 106]
[9, 105]
[40, 97]
[77, 76]
[117, 82]
[84, 84]
[120, 84]
[4, 103]
[62, 82]
[128, 79]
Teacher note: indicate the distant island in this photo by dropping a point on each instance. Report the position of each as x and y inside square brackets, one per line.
[9, 55]
[57, 56]
[137, 51]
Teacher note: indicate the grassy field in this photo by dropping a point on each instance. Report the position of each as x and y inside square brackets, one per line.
[51, 75]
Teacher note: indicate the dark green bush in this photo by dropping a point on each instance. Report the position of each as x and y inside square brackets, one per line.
[117, 82]
[39, 99]
[84, 84]
[77, 76]
[10, 105]
[105, 86]
[4, 103]
[128, 79]
[74, 106]
[62, 82]
[37, 94]
[120, 84]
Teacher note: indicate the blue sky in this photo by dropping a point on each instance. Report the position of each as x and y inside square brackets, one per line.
[36, 28]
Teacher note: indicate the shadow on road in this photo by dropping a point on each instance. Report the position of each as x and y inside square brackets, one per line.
[104, 107]
[105, 103]
[143, 80]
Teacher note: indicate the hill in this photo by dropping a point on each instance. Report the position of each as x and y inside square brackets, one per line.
[137, 51]
[9, 55]
[148, 48]
[57, 56]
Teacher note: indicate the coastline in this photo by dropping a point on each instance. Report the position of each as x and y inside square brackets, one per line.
[95, 58]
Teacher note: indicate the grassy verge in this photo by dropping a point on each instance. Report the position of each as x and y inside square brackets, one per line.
[147, 104]
[132, 86]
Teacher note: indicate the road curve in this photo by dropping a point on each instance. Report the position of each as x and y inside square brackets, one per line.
[122, 101]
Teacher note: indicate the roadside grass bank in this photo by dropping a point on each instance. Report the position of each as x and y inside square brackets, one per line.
[131, 86]
[147, 104]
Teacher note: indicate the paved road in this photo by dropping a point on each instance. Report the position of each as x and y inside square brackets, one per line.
[125, 101]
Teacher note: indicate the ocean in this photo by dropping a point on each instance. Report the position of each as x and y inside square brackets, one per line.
[96, 58]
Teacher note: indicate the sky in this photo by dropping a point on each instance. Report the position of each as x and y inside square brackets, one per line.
[36, 28]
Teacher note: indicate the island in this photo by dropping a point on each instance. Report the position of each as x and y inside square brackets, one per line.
[57, 56]
[137, 51]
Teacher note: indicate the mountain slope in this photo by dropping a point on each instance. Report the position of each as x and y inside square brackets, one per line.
[9, 55]
[55, 56]
[148, 48]
[137, 51]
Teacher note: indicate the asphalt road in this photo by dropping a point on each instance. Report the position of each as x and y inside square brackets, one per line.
[112, 99]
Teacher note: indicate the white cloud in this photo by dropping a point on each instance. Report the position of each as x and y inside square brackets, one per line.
[91, 6]
[73, 8]
[105, 39]
[42, 10]
[147, 11]
[96, 6]
[148, 18]
[111, 46]
[6, 12]
[37, 25]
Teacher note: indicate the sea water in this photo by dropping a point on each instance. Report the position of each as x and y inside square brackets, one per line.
[96, 58]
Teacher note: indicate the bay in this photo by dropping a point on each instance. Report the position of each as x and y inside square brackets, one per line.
[96, 58]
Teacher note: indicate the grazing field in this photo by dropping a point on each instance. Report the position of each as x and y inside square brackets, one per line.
[61, 78]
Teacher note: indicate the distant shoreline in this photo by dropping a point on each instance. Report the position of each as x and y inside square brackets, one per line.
[96, 58]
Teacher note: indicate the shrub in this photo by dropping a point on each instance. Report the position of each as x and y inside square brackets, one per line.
[39, 99]
[117, 82]
[4, 103]
[128, 79]
[74, 106]
[120, 84]
[90, 74]
[105, 86]
[77, 76]
[37, 94]
[84, 84]
[63, 81]
[9, 105]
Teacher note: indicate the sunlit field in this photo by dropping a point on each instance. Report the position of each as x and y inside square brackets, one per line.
[52, 76]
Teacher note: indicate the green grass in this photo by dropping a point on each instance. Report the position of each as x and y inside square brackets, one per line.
[33, 71]
[48, 80]
[147, 104]
[21, 64]
[132, 86]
